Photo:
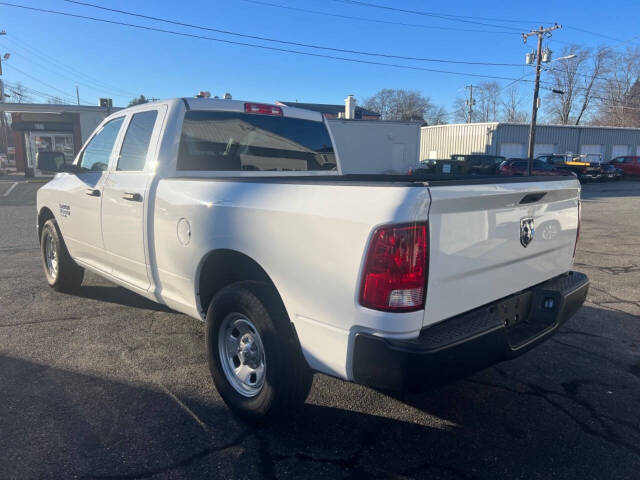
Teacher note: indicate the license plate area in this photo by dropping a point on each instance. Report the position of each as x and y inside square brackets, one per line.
[514, 310]
[525, 315]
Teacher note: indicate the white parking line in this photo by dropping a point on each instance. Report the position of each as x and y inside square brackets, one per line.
[6, 194]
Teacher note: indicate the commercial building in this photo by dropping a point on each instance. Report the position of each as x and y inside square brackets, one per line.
[511, 140]
[50, 127]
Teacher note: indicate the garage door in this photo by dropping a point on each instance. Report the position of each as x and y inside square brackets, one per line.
[619, 151]
[543, 149]
[593, 152]
[513, 150]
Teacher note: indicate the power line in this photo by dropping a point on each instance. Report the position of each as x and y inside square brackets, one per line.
[375, 20]
[31, 91]
[287, 42]
[471, 19]
[19, 43]
[597, 34]
[253, 45]
[59, 72]
[39, 81]
[451, 18]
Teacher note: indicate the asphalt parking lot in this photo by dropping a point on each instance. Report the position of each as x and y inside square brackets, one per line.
[103, 384]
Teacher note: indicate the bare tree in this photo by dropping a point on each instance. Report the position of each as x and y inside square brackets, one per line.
[18, 93]
[598, 68]
[397, 104]
[55, 100]
[510, 103]
[461, 110]
[437, 115]
[487, 97]
[576, 79]
[486, 104]
[619, 97]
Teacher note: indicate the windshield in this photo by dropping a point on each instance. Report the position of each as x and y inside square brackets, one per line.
[233, 141]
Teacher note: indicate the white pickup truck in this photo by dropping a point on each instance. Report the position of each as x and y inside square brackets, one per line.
[238, 214]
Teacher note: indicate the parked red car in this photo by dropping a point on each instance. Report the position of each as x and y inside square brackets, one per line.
[630, 165]
[515, 167]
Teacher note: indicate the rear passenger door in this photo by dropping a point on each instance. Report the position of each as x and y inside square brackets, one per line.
[125, 202]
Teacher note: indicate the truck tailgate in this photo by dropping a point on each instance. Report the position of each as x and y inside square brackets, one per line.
[476, 252]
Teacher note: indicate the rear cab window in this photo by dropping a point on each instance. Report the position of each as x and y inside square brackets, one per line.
[236, 141]
[133, 154]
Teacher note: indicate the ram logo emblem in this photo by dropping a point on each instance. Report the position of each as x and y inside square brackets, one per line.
[527, 230]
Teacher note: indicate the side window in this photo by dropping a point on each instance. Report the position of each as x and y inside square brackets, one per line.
[628, 159]
[96, 155]
[540, 165]
[136, 141]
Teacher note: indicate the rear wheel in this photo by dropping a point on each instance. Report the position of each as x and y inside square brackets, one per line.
[254, 357]
[61, 272]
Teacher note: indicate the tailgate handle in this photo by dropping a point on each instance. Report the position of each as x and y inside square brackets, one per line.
[532, 197]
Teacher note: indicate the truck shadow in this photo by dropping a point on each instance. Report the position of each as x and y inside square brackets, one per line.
[556, 412]
[121, 296]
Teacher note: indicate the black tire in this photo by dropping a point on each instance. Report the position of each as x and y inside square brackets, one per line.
[67, 276]
[287, 377]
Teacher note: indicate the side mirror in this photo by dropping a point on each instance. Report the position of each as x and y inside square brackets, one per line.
[50, 161]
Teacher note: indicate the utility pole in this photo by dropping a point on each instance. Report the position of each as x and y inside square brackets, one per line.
[540, 33]
[470, 103]
[3, 118]
[77, 94]
[6, 55]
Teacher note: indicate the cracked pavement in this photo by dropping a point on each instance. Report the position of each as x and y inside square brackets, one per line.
[103, 384]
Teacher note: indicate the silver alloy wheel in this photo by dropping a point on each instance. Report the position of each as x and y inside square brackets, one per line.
[242, 354]
[50, 255]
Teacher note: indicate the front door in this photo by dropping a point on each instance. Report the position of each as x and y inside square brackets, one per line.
[81, 200]
[124, 200]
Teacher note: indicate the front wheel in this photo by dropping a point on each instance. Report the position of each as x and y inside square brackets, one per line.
[61, 272]
[254, 357]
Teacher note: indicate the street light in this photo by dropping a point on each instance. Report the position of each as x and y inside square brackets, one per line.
[566, 57]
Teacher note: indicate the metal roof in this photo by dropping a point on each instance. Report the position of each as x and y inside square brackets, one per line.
[52, 108]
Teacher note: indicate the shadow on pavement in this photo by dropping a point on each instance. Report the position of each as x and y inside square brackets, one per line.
[563, 411]
[118, 295]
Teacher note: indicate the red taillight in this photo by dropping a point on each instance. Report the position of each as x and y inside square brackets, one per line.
[578, 229]
[395, 271]
[263, 109]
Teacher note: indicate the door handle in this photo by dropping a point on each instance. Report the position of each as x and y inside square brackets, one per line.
[132, 197]
[92, 192]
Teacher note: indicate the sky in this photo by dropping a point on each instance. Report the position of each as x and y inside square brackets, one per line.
[52, 54]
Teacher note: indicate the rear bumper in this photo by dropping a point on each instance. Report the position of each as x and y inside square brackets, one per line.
[471, 341]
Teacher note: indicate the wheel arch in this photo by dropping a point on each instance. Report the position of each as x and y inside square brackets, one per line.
[44, 214]
[222, 267]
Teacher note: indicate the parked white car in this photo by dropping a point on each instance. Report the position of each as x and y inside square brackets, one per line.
[239, 214]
